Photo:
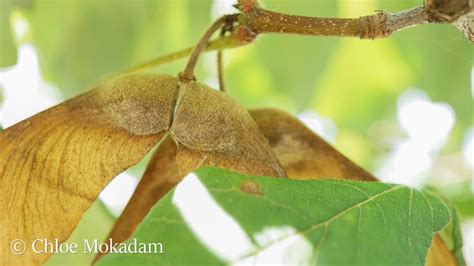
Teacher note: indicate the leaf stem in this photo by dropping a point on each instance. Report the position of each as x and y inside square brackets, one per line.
[188, 73]
[220, 65]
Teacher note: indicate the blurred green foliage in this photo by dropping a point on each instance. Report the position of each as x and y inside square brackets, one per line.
[351, 81]
[81, 42]
[461, 195]
[1, 95]
[8, 55]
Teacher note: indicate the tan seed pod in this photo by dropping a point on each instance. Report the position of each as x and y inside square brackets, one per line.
[466, 25]
[160, 177]
[54, 164]
[212, 129]
[209, 129]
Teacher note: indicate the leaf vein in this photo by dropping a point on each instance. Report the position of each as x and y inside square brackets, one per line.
[324, 223]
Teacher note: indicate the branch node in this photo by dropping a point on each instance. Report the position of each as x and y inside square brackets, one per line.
[374, 26]
[244, 34]
[186, 78]
[246, 6]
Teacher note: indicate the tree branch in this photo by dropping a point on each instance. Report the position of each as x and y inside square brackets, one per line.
[380, 25]
[255, 20]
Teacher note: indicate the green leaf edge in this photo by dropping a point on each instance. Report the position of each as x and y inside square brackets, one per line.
[207, 173]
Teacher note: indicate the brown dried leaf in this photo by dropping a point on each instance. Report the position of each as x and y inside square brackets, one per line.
[447, 11]
[439, 254]
[54, 164]
[161, 176]
[304, 155]
[212, 129]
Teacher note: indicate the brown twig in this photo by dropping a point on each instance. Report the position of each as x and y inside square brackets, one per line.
[228, 27]
[379, 25]
[375, 26]
[256, 20]
[220, 65]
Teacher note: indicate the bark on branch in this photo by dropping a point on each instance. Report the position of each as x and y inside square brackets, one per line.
[255, 20]
[379, 25]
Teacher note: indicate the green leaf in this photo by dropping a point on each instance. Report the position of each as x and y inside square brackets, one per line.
[457, 237]
[247, 219]
[452, 234]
